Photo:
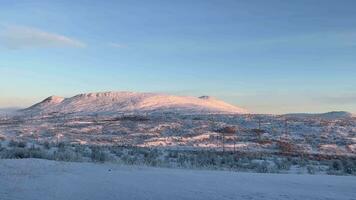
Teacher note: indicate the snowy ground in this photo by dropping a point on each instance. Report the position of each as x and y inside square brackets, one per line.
[34, 179]
[262, 133]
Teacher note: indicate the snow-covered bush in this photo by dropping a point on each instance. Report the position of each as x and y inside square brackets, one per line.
[20, 144]
[262, 167]
[349, 166]
[342, 166]
[201, 159]
[19, 153]
[337, 165]
[66, 155]
[282, 164]
[98, 155]
[311, 169]
[46, 145]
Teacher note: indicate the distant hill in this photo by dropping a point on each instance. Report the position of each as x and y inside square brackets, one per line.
[328, 115]
[8, 111]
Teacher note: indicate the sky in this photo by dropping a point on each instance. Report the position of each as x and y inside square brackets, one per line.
[273, 56]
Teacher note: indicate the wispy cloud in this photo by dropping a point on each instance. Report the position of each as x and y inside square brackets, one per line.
[19, 37]
[117, 45]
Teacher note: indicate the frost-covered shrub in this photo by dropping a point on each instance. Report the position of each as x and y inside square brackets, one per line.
[228, 130]
[12, 143]
[349, 167]
[151, 158]
[20, 144]
[286, 146]
[65, 156]
[98, 155]
[172, 154]
[227, 161]
[282, 164]
[117, 151]
[182, 160]
[302, 162]
[61, 146]
[15, 153]
[205, 159]
[262, 167]
[311, 169]
[19, 153]
[337, 165]
[342, 166]
[84, 151]
[46, 145]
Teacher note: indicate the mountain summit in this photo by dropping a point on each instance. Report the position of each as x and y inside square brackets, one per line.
[121, 102]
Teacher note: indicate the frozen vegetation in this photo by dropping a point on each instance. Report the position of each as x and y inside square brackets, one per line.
[179, 158]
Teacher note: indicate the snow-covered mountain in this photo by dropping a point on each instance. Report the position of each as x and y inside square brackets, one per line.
[121, 102]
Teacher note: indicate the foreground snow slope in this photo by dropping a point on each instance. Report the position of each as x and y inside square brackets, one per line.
[33, 179]
[113, 102]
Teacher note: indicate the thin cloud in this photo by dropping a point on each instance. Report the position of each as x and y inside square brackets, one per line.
[20, 37]
[116, 45]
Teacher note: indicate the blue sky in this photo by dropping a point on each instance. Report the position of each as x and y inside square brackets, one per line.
[267, 56]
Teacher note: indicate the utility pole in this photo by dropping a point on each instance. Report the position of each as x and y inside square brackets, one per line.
[223, 141]
[259, 123]
[236, 137]
[212, 127]
[234, 145]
